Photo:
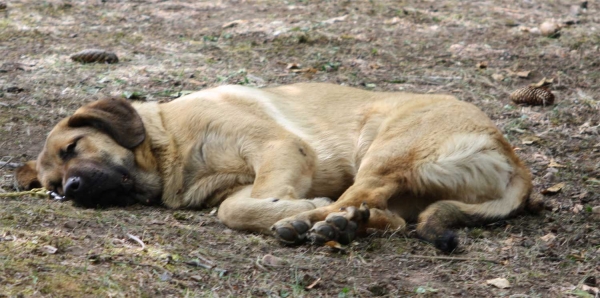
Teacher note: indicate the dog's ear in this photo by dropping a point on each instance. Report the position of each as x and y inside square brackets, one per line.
[115, 117]
[27, 176]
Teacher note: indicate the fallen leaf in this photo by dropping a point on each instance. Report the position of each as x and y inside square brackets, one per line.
[425, 290]
[197, 278]
[529, 140]
[548, 237]
[293, 66]
[335, 245]
[306, 70]
[392, 21]
[501, 283]
[524, 29]
[596, 210]
[523, 74]
[553, 189]
[233, 23]
[165, 276]
[50, 249]
[589, 289]
[482, 65]
[335, 20]
[272, 261]
[554, 164]
[577, 208]
[497, 77]
[137, 240]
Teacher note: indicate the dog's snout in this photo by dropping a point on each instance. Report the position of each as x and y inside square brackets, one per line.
[72, 185]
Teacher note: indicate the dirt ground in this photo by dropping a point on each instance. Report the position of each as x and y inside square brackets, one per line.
[169, 48]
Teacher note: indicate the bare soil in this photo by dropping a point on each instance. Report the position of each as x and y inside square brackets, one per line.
[169, 48]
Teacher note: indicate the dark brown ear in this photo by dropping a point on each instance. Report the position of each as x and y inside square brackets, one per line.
[27, 176]
[115, 117]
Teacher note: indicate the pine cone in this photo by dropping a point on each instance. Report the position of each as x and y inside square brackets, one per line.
[535, 94]
[94, 55]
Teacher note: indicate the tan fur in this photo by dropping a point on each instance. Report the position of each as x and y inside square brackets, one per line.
[267, 156]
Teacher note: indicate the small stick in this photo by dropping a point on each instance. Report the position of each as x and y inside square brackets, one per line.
[40, 192]
[12, 165]
[451, 258]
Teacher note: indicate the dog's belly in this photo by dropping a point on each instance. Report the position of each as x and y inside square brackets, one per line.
[332, 178]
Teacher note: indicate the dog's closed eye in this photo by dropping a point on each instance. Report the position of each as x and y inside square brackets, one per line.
[69, 152]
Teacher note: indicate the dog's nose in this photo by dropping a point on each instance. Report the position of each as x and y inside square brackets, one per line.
[72, 185]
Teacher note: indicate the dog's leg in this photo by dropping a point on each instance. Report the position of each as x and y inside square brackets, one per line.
[283, 176]
[435, 221]
[241, 211]
[341, 220]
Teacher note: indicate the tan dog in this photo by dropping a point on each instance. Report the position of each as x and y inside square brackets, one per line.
[272, 157]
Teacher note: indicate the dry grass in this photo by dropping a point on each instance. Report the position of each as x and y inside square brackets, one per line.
[169, 48]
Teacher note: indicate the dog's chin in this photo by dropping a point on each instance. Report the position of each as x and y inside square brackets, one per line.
[105, 199]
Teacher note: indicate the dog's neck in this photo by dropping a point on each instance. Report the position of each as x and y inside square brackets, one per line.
[158, 154]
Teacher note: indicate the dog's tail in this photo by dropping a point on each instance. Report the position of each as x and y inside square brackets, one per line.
[435, 221]
[480, 180]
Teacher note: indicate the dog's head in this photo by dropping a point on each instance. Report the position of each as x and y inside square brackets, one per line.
[90, 157]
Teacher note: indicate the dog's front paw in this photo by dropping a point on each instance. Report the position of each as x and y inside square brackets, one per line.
[340, 226]
[291, 231]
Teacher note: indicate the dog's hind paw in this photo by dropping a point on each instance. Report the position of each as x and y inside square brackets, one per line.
[340, 226]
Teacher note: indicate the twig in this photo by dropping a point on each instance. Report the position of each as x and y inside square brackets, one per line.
[451, 258]
[197, 263]
[39, 192]
[136, 239]
[12, 165]
[8, 163]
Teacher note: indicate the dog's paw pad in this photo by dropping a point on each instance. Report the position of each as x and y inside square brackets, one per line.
[290, 232]
[340, 226]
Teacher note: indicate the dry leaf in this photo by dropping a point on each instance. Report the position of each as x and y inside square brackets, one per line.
[293, 66]
[334, 20]
[529, 140]
[197, 278]
[548, 237]
[554, 164]
[233, 23]
[482, 65]
[591, 290]
[554, 188]
[543, 83]
[596, 210]
[50, 249]
[335, 245]
[497, 77]
[392, 21]
[523, 74]
[549, 29]
[272, 261]
[577, 208]
[501, 283]
[307, 70]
